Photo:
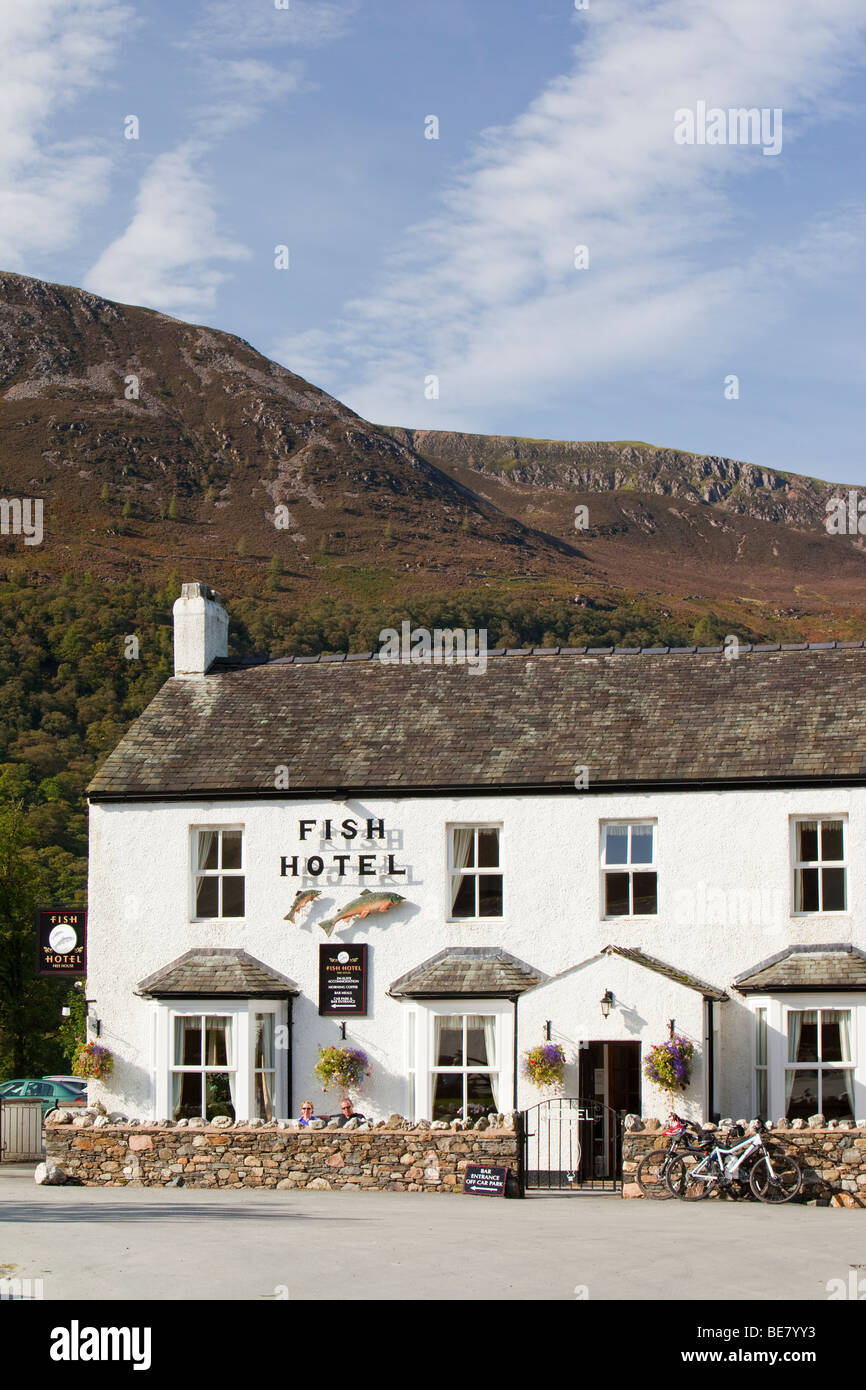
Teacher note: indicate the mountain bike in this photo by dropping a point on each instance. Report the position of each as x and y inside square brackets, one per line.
[773, 1176]
[652, 1170]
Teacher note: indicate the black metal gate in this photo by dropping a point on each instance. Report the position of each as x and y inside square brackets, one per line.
[571, 1144]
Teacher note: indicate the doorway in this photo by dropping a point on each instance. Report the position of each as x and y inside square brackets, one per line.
[609, 1072]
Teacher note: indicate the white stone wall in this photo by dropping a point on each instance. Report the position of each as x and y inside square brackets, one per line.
[724, 867]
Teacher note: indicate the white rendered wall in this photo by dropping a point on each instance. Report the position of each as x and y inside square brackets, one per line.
[718, 853]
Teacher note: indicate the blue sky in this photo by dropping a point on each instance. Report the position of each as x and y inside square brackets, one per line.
[454, 257]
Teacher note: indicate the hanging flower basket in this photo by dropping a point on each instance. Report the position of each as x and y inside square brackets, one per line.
[92, 1060]
[669, 1064]
[343, 1067]
[544, 1065]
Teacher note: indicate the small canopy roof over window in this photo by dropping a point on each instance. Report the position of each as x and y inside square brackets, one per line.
[803, 969]
[484, 972]
[211, 972]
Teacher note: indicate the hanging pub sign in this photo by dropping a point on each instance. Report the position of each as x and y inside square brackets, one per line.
[61, 938]
[342, 979]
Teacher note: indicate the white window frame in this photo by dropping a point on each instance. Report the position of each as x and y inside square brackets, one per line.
[411, 1060]
[778, 1007]
[196, 873]
[176, 1069]
[425, 1013]
[476, 872]
[820, 1067]
[242, 1013]
[627, 868]
[761, 1068]
[797, 864]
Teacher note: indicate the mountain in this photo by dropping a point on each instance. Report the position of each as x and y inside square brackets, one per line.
[663, 521]
[161, 446]
[107, 408]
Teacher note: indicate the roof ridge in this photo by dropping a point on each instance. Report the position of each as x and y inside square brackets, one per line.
[331, 658]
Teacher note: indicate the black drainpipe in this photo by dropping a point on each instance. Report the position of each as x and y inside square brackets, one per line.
[711, 1061]
[514, 1085]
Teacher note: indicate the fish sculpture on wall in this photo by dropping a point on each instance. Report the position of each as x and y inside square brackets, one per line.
[361, 907]
[302, 897]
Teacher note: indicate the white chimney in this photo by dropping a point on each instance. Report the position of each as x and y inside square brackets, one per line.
[201, 630]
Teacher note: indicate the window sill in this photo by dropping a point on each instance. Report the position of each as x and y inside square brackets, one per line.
[810, 916]
[473, 921]
[213, 921]
[634, 917]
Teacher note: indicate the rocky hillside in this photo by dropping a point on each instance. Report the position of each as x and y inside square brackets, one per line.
[744, 489]
[151, 440]
[159, 447]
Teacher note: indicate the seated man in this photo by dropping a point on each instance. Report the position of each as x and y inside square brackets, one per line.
[348, 1112]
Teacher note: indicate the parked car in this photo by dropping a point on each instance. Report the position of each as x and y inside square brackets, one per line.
[74, 1083]
[51, 1093]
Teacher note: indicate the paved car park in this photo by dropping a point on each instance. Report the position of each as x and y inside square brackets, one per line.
[177, 1243]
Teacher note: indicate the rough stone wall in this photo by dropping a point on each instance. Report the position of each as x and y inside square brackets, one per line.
[833, 1161]
[394, 1160]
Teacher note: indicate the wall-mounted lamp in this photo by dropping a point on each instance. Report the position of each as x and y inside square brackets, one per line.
[95, 1023]
[606, 1003]
[65, 1013]
[672, 1025]
[547, 1031]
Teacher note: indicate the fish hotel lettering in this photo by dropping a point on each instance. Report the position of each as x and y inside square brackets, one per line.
[364, 865]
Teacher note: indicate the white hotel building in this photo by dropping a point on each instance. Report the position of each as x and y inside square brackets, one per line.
[707, 873]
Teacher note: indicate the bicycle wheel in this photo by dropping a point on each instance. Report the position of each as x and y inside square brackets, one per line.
[681, 1182]
[782, 1184]
[651, 1172]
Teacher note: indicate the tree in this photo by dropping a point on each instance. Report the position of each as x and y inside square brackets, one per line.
[29, 1006]
[172, 510]
[75, 1026]
[275, 569]
[241, 547]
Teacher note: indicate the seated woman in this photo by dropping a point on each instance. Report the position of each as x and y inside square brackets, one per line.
[306, 1112]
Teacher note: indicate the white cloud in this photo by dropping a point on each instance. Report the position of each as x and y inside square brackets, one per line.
[164, 258]
[231, 25]
[240, 90]
[486, 295]
[51, 53]
[170, 253]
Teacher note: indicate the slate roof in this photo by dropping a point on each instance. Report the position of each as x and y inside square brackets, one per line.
[340, 724]
[825, 967]
[480, 971]
[670, 972]
[211, 971]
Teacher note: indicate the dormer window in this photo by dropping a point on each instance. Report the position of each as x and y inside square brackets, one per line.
[218, 870]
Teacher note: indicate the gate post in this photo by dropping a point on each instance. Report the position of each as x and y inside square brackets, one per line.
[520, 1131]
